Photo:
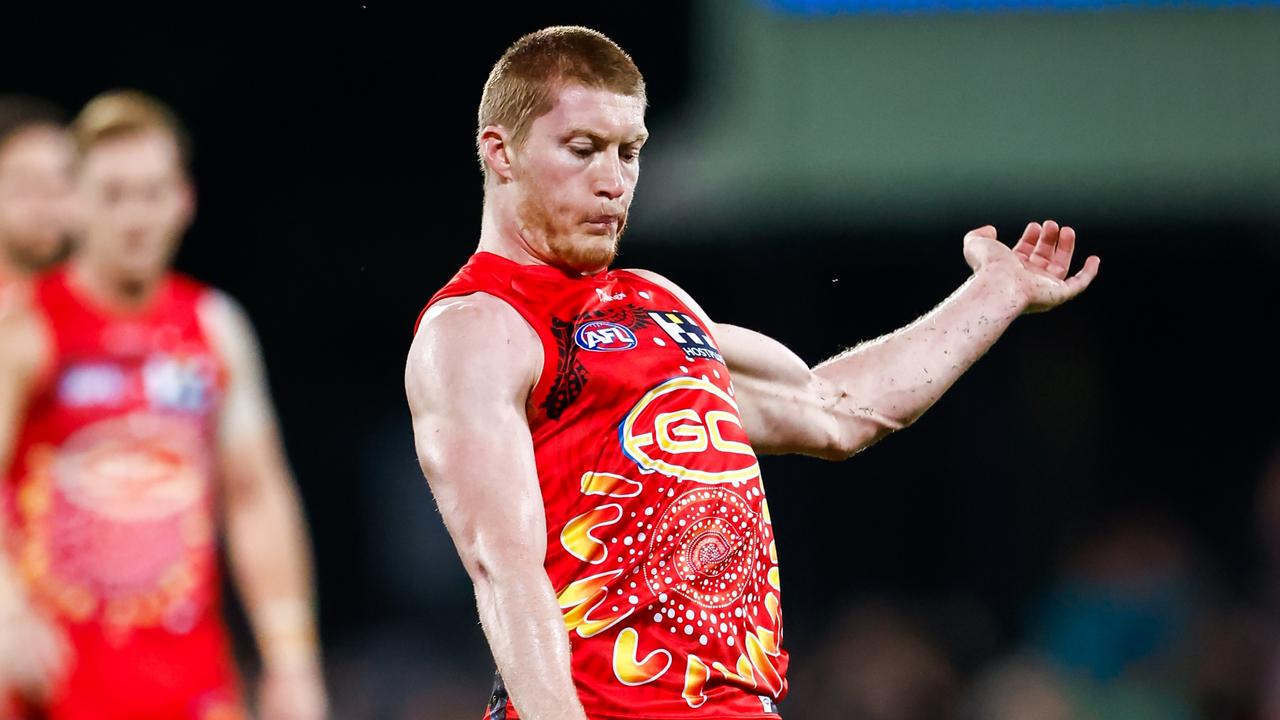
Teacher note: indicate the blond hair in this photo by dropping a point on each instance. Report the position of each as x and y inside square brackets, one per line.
[523, 83]
[119, 113]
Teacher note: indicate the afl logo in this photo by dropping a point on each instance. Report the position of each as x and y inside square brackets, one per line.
[603, 336]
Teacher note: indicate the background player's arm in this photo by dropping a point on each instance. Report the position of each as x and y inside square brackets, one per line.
[851, 401]
[32, 651]
[468, 377]
[266, 531]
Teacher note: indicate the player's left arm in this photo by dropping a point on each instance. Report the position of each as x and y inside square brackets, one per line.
[851, 401]
[267, 542]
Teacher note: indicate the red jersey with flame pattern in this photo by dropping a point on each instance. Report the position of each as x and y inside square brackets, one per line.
[659, 542]
[111, 496]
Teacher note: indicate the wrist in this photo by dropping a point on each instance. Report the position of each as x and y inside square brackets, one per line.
[287, 637]
[1001, 281]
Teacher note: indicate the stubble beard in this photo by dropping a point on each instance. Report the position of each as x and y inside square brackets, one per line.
[568, 248]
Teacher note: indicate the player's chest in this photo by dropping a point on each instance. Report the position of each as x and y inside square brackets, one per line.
[612, 352]
[161, 368]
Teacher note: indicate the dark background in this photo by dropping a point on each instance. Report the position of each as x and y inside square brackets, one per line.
[338, 189]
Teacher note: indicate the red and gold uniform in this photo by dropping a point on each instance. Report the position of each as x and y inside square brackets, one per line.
[659, 543]
[111, 496]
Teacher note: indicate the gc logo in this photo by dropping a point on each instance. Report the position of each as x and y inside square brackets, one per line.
[699, 439]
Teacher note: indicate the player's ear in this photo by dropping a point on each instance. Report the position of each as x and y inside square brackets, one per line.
[495, 149]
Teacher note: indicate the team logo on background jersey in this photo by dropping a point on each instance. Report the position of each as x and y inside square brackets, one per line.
[98, 383]
[691, 338]
[174, 382]
[601, 336]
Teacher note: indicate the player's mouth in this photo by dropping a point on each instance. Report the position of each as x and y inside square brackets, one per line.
[605, 223]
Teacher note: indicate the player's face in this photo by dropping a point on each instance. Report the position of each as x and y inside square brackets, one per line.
[576, 174]
[135, 203]
[35, 195]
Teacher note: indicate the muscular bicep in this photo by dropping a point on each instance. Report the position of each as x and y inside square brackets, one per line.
[468, 376]
[785, 406]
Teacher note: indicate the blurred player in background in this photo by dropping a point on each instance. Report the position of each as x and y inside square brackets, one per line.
[135, 423]
[36, 155]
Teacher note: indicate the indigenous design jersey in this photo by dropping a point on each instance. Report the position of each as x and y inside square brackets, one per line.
[659, 544]
[111, 496]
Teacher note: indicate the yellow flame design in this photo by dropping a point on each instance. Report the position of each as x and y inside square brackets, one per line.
[631, 671]
[582, 598]
[695, 679]
[577, 538]
[609, 485]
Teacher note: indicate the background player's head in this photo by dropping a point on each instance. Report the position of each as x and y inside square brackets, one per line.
[134, 192]
[560, 127]
[36, 155]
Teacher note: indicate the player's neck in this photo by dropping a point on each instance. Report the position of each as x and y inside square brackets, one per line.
[500, 235]
[112, 290]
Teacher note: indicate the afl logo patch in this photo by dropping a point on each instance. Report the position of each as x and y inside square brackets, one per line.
[603, 336]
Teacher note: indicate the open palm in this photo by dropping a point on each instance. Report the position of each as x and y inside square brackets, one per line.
[1039, 262]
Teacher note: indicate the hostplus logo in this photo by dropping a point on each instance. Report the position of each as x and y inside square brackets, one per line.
[691, 338]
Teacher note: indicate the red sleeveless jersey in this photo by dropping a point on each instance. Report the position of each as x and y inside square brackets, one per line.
[659, 543]
[111, 496]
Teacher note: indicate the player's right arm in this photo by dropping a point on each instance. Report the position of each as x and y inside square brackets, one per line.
[468, 377]
[32, 651]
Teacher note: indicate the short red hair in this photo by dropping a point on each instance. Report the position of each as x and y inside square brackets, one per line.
[523, 83]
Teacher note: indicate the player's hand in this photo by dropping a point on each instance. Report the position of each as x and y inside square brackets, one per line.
[1038, 264]
[34, 653]
[295, 694]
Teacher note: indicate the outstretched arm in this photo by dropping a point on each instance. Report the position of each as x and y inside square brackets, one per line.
[266, 533]
[849, 402]
[468, 378]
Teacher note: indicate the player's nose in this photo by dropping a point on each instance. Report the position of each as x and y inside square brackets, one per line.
[610, 182]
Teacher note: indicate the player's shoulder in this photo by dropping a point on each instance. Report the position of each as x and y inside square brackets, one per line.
[670, 286]
[217, 309]
[474, 334]
[188, 288]
[475, 315]
[651, 276]
[25, 340]
[226, 327]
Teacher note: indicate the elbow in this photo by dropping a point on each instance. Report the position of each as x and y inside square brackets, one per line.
[240, 491]
[504, 561]
[479, 569]
[844, 447]
[841, 444]
[864, 429]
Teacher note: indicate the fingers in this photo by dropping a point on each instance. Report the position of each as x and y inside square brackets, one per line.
[1060, 264]
[1077, 283]
[1042, 255]
[986, 231]
[1027, 242]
